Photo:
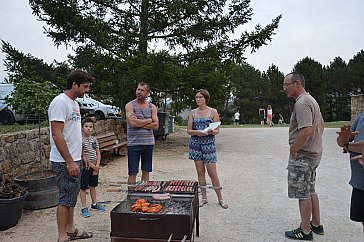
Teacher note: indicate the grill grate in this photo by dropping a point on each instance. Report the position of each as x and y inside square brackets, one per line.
[178, 207]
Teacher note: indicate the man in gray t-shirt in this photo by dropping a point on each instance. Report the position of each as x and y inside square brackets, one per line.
[305, 131]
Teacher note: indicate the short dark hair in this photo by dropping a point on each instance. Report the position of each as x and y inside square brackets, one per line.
[205, 94]
[88, 120]
[79, 77]
[144, 84]
[295, 76]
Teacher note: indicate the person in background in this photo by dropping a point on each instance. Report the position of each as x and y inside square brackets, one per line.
[305, 141]
[347, 134]
[236, 117]
[202, 144]
[142, 119]
[90, 172]
[281, 119]
[66, 149]
[261, 112]
[269, 116]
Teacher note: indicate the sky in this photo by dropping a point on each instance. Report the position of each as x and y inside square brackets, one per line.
[319, 29]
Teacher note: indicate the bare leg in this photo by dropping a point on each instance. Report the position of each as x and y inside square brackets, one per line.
[145, 176]
[305, 211]
[93, 194]
[70, 223]
[83, 198]
[200, 168]
[62, 218]
[132, 179]
[211, 170]
[315, 209]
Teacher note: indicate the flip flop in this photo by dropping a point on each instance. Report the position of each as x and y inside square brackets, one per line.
[75, 235]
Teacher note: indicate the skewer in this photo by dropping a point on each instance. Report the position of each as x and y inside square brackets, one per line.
[209, 187]
[151, 194]
[170, 237]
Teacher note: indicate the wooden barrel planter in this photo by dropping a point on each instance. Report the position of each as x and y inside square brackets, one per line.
[42, 189]
[11, 211]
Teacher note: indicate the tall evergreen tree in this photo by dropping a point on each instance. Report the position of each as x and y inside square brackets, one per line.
[247, 91]
[356, 71]
[338, 90]
[315, 77]
[126, 37]
[274, 95]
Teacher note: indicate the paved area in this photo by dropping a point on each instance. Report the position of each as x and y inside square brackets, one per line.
[252, 169]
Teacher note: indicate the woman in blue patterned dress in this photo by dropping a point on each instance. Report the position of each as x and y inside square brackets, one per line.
[202, 144]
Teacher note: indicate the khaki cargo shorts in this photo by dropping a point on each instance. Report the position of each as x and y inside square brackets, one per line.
[302, 176]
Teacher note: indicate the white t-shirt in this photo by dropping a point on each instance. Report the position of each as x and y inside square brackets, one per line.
[237, 116]
[66, 110]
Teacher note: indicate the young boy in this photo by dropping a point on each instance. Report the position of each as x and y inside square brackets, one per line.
[90, 172]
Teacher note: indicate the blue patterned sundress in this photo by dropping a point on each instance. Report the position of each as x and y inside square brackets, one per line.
[202, 148]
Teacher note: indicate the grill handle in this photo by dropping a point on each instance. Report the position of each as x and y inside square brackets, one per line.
[148, 219]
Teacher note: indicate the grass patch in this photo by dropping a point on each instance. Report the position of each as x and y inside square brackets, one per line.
[20, 127]
[336, 124]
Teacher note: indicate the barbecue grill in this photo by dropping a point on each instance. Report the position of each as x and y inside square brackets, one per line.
[177, 218]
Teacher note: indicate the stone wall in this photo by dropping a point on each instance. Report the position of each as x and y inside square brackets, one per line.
[19, 151]
[357, 105]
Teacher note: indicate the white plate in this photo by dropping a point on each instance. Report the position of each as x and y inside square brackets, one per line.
[212, 126]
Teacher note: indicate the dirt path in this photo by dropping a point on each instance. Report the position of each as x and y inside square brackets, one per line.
[252, 171]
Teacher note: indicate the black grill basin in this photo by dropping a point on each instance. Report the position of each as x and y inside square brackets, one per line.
[178, 217]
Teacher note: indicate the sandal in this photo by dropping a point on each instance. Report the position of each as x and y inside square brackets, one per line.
[223, 205]
[203, 202]
[75, 235]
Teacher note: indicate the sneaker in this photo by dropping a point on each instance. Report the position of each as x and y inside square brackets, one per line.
[85, 213]
[317, 229]
[98, 207]
[298, 234]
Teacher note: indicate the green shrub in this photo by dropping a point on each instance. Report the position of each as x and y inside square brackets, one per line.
[178, 120]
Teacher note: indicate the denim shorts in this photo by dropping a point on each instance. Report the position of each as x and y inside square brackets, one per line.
[137, 153]
[68, 186]
[88, 180]
[302, 176]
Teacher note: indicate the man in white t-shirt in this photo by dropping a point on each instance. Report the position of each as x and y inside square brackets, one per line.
[236, 117]
[66, 151]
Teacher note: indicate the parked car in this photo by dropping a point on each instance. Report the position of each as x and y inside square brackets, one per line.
[86, 108]
[9, 116]
[102, 111]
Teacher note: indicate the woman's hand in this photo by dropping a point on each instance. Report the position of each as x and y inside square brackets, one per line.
[202, 133]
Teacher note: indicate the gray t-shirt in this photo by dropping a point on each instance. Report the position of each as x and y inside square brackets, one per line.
[306, 113]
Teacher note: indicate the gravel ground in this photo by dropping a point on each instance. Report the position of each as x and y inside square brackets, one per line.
[252, 169]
